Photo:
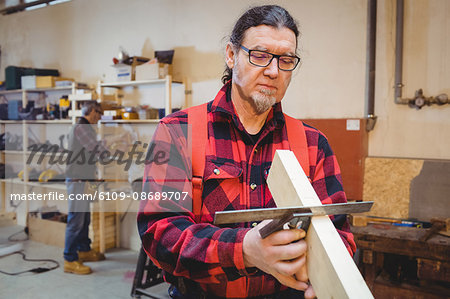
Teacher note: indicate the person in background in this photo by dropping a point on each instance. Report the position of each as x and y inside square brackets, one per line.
[80, 178]
[245, 125]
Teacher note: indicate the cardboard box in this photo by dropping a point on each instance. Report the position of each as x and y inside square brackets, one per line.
[53, 232]
[45, 81]
[32, 82]
[147, 71]
[49, 81]
[152, 70]
[47, 231]
[165, 69]
[28, 82]
[123, 72]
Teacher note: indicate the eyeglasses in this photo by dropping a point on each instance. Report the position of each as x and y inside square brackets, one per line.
[263, 59]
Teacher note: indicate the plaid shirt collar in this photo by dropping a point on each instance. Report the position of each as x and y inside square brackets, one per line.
[223, 104]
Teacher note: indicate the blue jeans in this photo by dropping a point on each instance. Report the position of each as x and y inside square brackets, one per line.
[78, 220]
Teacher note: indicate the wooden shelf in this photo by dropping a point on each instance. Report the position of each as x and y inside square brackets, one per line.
[11, 121]
[39, 153]
[131, 121]
[43, 121]
[12, 180]
[12, 152]
[48, 89]
[132, 83]
[58, 186]
[135, 83]
[49, 121]
[45, 89]
[82, 97]
[12, 91]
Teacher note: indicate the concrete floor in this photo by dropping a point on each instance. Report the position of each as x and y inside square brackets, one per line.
[111, 278]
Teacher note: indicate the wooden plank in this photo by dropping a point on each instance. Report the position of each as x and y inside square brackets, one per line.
[108, 245]
[331, 270]
[108, 231]
[8, 218]
[108, 236]
[109, 221]
[357, 220]
[103, 231]
[96, 215]
[47, 231]
[117, 235]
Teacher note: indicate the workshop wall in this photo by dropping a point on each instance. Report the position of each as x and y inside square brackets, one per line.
[401, 131]
[81, 37]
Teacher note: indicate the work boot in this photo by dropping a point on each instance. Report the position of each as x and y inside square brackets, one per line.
[76, 267]
[90, 256]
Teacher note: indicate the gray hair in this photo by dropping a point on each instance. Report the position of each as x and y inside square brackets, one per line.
[271, 15]
[89, 106]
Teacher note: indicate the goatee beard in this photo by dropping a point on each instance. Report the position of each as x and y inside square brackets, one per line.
[263, 100]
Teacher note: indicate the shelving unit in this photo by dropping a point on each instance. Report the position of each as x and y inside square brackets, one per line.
[167, 82]
[56, 186]
[137, 83]
[51, 121]
[103, 235]
[120, 87]
[130, 121]
[24, 95]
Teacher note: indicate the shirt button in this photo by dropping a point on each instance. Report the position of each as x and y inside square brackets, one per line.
[216, 171]
[253, 186]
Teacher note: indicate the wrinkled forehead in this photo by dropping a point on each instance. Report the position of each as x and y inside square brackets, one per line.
[267, 36]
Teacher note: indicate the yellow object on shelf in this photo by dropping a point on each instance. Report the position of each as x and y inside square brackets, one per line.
[63, 102]
[130, 115]
[47, 175]
[20, 174]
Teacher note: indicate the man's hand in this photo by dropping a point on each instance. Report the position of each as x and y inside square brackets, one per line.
[279, 255]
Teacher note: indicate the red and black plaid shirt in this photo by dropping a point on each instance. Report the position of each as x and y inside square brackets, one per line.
[236, 168]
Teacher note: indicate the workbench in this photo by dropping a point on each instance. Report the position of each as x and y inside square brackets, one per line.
[396, 264]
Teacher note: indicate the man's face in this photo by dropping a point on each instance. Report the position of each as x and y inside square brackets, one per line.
[98, 115]
[262, 86]
[94, 116]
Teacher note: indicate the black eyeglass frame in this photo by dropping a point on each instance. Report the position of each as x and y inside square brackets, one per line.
[249, 52]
